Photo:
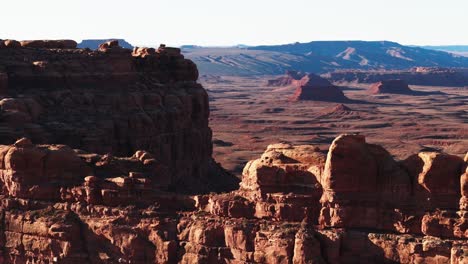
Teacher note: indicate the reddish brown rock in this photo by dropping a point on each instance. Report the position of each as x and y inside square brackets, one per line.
[307, 247]
[143, 52]
[49, 44]
[10, 43]
[390, 86]
[39, 172]
[362, 185]
[437, 179]
[313, 87]
[129, 103]
[289, 79]
[464, 191]
[109, 45]
[114, 211]
[340, 111]
[141, 122]
[285, 182]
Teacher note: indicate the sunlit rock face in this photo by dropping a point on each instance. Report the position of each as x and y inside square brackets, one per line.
[98, 149]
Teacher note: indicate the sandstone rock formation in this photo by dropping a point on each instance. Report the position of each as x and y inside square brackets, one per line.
[411, 205]
[98, 146]
[313, 87]
[390, 86]
[286, 80]
[109, 101]
[70, 206]
[49, 44]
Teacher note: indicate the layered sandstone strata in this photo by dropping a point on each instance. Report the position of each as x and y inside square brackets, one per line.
[110, 101]
[295, 204]
[115, 199]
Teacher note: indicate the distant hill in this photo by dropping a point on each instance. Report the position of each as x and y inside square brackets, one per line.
[94, 43]
[456, 49]
[318, 57]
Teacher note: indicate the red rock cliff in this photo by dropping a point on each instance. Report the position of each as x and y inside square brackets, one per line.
[295, 204]
[109, 101]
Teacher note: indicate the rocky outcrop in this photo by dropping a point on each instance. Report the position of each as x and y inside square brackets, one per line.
[283, 184]
[286, 80]
[49, 44]
[365, 188]
[390, 86]
[98, 146]
[295, 204]
[110, 101]
[313, 87]
[362, 185]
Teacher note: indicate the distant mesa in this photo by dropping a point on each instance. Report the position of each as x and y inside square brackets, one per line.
[316, 88]
[286, 80]
[391, 86]
[94, 43]
[190, 47]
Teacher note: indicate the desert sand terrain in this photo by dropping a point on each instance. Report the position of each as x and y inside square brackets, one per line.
[246, 115]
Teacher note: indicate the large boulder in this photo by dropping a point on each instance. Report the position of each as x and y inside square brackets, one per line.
[29, 171]
[362, 185]
[436, 179]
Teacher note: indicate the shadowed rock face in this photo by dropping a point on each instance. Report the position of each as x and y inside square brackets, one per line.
[109, 101]
[314, 88]
[295, 204]
[390, 86]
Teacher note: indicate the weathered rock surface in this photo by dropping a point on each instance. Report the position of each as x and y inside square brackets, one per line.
[70, 206]
[313, 87]
[390, 86]
[109, 101]
[49, 44]
[97, 146]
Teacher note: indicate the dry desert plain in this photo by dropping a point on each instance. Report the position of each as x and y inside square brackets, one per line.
[246, 115]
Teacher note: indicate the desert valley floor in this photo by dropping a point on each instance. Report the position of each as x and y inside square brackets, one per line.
[246, 115]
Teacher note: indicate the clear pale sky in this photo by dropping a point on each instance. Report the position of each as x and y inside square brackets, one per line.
[222, 22]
